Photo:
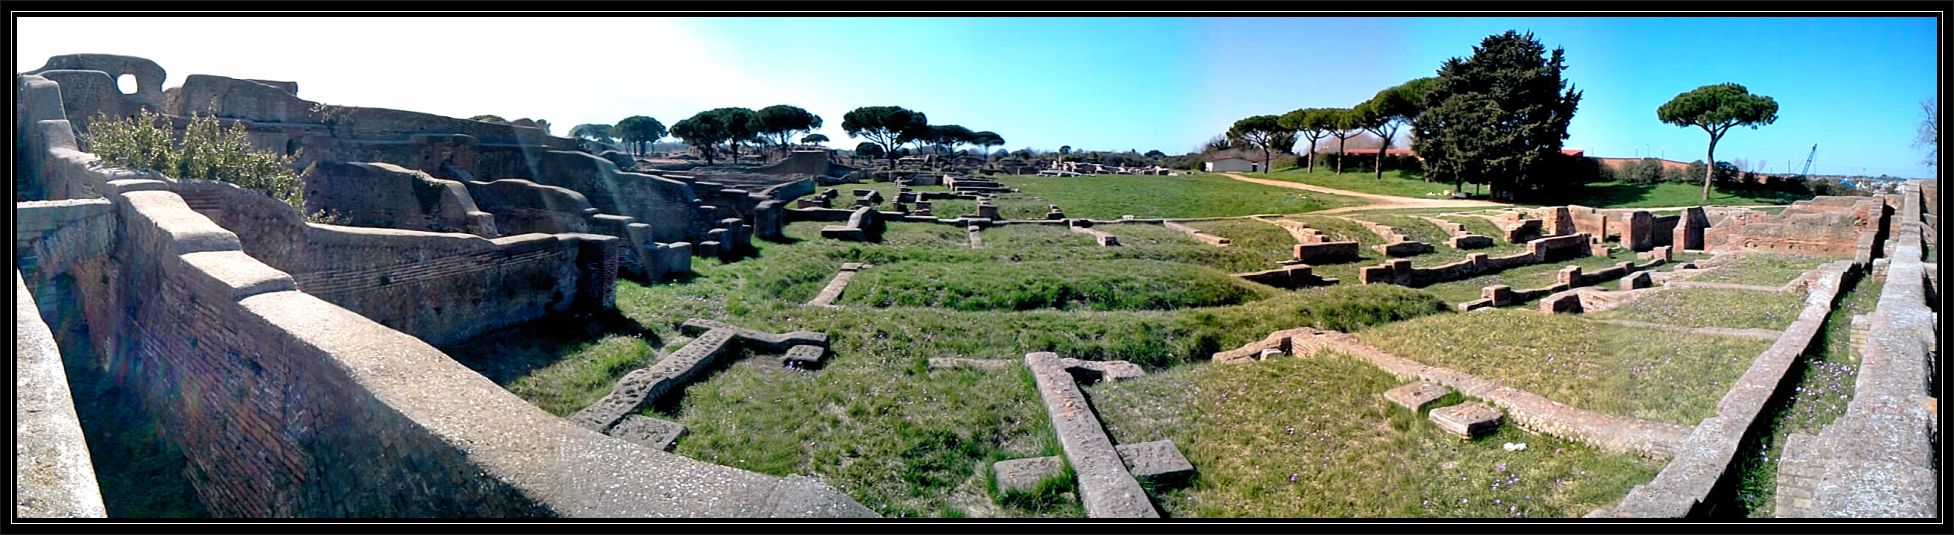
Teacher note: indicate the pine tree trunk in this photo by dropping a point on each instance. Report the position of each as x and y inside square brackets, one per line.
[1340, 141]
[1380, 155]
[1710, 172]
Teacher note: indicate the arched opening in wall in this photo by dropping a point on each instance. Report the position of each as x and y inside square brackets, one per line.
[126, 84]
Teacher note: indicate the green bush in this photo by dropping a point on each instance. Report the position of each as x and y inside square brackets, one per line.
[208, 151]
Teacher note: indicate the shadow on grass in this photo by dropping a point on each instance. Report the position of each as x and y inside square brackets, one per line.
[509, 354]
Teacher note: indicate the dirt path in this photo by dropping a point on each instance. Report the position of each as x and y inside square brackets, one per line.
[1377, 202]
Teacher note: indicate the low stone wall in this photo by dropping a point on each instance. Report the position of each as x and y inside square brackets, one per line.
[1460, 238]
[1288, 277]
[1703, 459]
[1084, 226]
[862, 224]
[1569, 278]
[1543, 250]
[1326, 252]
[1209, 239]
[1877, 459]
[53, 475]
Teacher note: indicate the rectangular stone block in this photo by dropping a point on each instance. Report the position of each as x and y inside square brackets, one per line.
[1023, 475]
[1470, 241]
[1467, 420]
[1159, 462]
[804, 357]
[1638, 280]
[1415, 396]
[1326, 253]
[652, 433]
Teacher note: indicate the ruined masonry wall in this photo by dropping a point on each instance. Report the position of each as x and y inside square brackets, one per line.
[288, 405]
[53, 236]
[441, 287]
[53, 474]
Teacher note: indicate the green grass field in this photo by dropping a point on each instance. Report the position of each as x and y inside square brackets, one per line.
[875, 422]
[1713, 307]
[1607, 368]
[1111, 196]
[908, 441]
[1666, 194]
[1314, 437]
[1762, 269]
[1398, 183]
[1107, 285]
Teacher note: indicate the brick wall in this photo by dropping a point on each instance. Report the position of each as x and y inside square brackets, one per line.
[388, 196]
[1539, 251]
[53, 236]
[669, 206]
[441, 287]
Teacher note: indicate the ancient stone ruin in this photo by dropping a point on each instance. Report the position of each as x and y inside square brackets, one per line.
[292, 361]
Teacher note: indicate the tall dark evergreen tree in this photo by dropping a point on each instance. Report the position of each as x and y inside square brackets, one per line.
[1499, 116]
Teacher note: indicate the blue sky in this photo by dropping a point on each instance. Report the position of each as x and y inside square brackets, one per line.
[1851, 85]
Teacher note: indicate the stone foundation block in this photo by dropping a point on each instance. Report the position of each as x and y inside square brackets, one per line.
[652, 433]
[1415, 396]
[1467, 420]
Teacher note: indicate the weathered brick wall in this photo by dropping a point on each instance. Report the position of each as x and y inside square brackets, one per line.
[388, 196]
[287, 405]
[521, 206]
[1823, 226]
[53, 236]
[442, 287]
[1877, 459]
[669, 206]
[1542, 250]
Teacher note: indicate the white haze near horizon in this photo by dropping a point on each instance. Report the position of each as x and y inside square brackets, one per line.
[458, 67]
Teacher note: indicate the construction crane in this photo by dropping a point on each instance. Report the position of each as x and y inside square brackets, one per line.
[1807, 173]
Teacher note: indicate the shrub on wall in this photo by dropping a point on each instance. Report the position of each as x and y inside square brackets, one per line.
[208, 151]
